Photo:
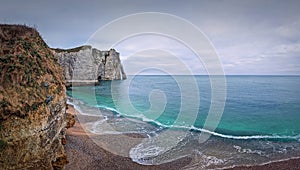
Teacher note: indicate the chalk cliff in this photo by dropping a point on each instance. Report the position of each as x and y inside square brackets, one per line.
[32, 102]
[85, 65]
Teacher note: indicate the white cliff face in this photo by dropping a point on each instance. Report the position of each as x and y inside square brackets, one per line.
[87, 64]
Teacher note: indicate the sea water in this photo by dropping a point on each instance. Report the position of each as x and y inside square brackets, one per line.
[260, 122]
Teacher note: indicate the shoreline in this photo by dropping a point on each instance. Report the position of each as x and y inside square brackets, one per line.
[84, 153]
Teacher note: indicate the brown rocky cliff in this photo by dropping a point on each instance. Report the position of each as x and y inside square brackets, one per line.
[32, 102]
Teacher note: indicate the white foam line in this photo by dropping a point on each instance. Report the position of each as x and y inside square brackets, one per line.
[145, 119]
[246, 137]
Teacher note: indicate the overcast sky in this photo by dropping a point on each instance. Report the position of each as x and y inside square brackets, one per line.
[250, 37]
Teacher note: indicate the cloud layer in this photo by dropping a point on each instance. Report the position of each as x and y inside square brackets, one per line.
[251, 36]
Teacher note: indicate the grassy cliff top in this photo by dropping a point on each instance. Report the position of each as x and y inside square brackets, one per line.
[29, 73]
[59, 50]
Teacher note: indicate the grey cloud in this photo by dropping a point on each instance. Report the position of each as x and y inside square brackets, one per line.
[251, 36]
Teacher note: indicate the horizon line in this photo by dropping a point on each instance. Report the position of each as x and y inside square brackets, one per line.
[214, 75]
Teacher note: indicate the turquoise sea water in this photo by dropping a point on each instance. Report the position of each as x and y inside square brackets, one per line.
[260, 122]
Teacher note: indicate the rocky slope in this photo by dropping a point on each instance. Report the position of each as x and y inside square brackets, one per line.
[32, 102]
[86, 65]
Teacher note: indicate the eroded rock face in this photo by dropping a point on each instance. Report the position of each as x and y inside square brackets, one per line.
[87, 64]
[32, 102]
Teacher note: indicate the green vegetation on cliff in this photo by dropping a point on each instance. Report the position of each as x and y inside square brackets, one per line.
[32, 102]
[3, 144]
[72, 50]
[28, 71]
